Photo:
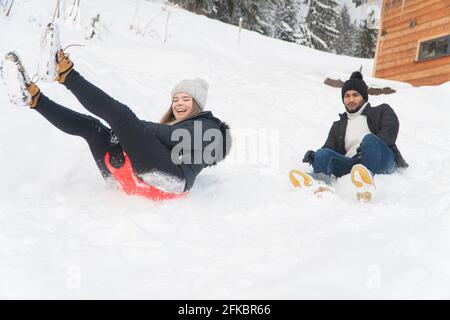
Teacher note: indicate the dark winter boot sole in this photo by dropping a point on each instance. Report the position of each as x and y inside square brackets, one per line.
[16, 80]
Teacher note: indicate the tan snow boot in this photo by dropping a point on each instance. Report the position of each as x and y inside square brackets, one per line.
[63, 67]
[362, 179]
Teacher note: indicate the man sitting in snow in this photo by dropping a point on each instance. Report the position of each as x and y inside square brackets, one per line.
[362, 141]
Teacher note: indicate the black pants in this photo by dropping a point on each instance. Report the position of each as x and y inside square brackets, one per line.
[127, 133]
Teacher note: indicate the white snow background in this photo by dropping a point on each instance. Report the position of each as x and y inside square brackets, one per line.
[243, 232]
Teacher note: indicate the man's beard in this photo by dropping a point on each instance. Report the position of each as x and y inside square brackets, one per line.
[357, 109]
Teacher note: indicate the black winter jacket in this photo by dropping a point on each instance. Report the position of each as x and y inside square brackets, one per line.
[208, 121]
[382, 122]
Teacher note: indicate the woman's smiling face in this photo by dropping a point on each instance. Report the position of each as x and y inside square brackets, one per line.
[182, 105]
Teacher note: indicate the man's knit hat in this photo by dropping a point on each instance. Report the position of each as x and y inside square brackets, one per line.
[356, 83]
[196, 88]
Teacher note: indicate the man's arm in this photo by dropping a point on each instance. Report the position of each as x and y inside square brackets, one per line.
[389, 125]
[331, 142]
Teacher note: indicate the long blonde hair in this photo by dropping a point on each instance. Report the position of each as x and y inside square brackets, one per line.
[169, 117]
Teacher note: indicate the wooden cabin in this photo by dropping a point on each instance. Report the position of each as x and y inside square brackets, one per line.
[414, 42]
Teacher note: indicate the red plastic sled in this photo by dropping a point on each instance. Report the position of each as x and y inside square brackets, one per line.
[131, 184]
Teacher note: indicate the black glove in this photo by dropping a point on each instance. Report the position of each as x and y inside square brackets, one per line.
[309, 157]
[358, 155]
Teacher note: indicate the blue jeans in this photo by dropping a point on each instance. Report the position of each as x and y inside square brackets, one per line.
[376, 156]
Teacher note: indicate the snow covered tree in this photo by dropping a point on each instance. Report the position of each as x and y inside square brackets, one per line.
[303, 35]
[321, 21]
[366, 42]
[348, 34]
[359, 2]
[275, 18]
[289, 24]
[224, 10]
[258, 15]
[190, 5]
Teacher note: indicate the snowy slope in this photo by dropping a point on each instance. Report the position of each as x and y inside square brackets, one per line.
[243, 232]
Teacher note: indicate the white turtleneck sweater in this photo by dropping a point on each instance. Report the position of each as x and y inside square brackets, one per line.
[357, 128]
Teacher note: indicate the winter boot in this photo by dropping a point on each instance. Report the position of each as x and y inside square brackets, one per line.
[54, 63]
[20, 89]
[64, 66]
[307, 180]
[50, 44]
[362, 179]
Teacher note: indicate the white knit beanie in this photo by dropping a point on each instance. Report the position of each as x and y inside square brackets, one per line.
[196, 88]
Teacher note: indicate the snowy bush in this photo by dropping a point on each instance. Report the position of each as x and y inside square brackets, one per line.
[96, 29]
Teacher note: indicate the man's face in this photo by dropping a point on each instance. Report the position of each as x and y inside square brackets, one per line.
[353, 101]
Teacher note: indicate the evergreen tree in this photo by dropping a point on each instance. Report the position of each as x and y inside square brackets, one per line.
[274, 18]
[223, 10]
[359, 2]
[321, 21]
[259, 15]
[367, 41]
[289, 25]
[346, 41]
[303, 35]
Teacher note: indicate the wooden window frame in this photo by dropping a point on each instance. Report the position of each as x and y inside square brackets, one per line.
[434, 38]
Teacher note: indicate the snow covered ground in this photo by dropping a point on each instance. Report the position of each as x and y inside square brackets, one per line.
[243, 232]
